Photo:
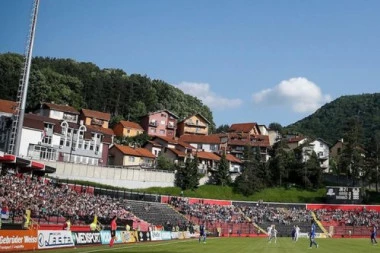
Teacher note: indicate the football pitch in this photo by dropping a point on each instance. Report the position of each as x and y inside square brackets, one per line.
[234, 245]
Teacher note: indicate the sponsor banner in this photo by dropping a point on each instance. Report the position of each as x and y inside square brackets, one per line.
[155, 235]
[85, 238]
[105, 236]
[129, 236]
[175, 235]
[303, 235]
[54, 239]
[17, 240]
[166, 235]
[144, 236]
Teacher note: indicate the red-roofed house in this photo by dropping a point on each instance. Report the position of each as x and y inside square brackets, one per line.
[127, 129]
[121, 155]
[194, 124]
[97, 118]
[208, 143]
[160, 123]
[247, 128]
[59, 112]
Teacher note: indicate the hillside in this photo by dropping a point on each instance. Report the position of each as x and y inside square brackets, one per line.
[330, 121]
[85, 85]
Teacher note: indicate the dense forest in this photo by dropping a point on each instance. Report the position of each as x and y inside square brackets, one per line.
[85, 85]
[330, 121]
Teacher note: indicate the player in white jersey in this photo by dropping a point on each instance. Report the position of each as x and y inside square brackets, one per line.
[273, 234]
[269, 231]
[297, 233]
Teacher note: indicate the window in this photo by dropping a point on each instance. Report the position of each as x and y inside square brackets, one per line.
[199, 146]
[153, 130]
[162, 132]
[131, 159]
[162, 122]
[320, 154]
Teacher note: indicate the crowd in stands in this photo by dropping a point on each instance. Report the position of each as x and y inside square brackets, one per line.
[46, 199]
[257, 213]
[356, 217]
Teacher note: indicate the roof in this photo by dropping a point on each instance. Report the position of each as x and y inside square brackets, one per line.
[96, 114]
[242, 127]
[194, 138]
[130, 124]
[296, 139]
[7, 106]
[61, 108]
[177, 152]
[165, 138]
[233, 158]
[167, 111]
[140, 152]
[197, 114]
[207, 155]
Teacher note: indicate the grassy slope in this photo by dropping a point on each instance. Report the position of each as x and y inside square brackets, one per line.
[292, 195]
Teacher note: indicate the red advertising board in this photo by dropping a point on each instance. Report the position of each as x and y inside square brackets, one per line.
[18, 240]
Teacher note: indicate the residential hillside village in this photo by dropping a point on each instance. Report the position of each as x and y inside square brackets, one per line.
[60, 133]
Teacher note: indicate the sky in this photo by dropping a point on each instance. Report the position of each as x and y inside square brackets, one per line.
[257, 61]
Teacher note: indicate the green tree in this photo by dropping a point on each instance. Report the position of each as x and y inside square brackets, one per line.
[222, 129]
[222, 174]
[164, 163]
[187, 177]
[372, 161]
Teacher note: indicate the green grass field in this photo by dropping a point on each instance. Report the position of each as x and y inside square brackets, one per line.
[234, 245]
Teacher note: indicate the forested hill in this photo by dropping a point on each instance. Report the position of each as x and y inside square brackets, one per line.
[332, 120]
[85, 85]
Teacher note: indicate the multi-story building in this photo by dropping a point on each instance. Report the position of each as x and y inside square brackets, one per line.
[160, 123]
[195, 124]
[95, 118]
[243, 135]
[121, 155]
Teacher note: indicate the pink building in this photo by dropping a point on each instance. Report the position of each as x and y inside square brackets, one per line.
[160, 123]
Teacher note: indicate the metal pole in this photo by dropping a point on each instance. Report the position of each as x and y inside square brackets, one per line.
[25, 92]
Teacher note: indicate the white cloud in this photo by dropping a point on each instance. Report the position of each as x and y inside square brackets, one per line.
[300, 94]
[208, 97]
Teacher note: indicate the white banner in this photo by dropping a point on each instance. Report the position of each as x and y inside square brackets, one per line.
[54, 239]
[155, 235]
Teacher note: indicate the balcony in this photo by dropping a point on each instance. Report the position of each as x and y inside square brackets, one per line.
[170, 126]
[153, 123]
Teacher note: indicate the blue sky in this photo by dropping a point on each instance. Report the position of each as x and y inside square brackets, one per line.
[249, 61]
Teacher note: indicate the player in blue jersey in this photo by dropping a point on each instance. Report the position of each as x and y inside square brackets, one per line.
[312, 235]
[202, 233]
[373, 235]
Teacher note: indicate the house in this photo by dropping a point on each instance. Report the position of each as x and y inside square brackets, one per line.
[59, 112]
[207, 161]
[127, 129]
[160, 123]
[274, 136]
[321, 149]
[45, 138]
[336, 149]
[175, 150]
[194, 124]
[246, 128]
[96, 118]
[7, 109]
[208, 143]
[121, 155]
[296, 141]
[237, 142]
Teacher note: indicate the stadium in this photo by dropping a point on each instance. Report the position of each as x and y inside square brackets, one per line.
[64, 174]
